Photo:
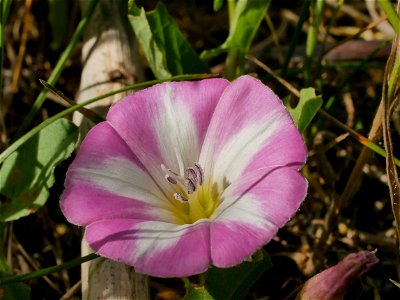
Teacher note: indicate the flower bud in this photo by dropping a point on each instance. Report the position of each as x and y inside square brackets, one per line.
[332, 283]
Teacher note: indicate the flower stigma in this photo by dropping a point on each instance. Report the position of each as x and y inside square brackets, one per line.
[194, 198]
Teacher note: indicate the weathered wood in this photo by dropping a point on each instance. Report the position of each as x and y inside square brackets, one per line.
[109, 56]
[110, 62]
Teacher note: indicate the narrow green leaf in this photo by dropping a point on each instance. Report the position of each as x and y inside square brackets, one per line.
[391, 13]
[164, 46]
[58, 22]
[395, 283]
[235, 282]
[46, 271]
[296, 35]
[306, 109]
[5, 10]
[27, 174]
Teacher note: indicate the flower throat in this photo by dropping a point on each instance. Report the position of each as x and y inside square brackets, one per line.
[197, 198]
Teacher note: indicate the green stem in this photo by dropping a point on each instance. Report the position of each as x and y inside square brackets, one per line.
[394, 75]
[312, 39]
[330, 25]
[231, 10]
[43, 272]
[391, 13]
[55, 75]
[298, 30]
[323, 44]
[3, 257]
[4, 10]
[274, 36]
[14, 146]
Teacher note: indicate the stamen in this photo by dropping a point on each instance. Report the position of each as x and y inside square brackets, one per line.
[193, 178]
[170, 179]
[190, 186]
[180, 197]
[172, 172]
[199, 173]
[191, 174]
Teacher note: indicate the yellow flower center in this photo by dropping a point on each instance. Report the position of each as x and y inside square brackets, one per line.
[194, 198]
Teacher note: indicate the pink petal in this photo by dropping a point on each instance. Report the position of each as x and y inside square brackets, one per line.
[250, 129]
[153, 248]
[252, 211]
[107, 181]
[233, 242]
[167, 122]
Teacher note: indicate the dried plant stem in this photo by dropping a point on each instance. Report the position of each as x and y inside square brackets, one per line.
[390, 98]
[34, 265]
[22, 47]
[353, 181]
[108, 35]
[72, 291]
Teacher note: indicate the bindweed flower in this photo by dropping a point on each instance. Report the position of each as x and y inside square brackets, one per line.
[184, 175]
[333, 283]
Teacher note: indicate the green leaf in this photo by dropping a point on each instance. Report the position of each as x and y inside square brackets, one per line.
[230, 283]
[167, 51]
[306, 109]
[246, 20]
[218, 5]
[196, 292]
[133, 9]
[27, 174]
[155, 55]
[15, 291]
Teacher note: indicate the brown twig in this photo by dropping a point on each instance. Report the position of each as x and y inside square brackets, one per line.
[22, 46]
[358, 34]
[34, 265]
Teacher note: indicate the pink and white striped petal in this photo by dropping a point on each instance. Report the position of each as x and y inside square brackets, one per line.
[153, 248]
[167, 122]
[250, 129]
[252, 211]
[107, 181]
